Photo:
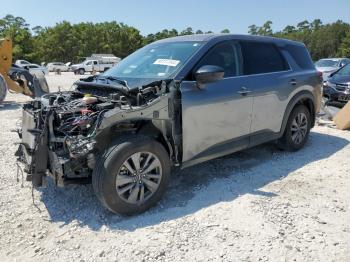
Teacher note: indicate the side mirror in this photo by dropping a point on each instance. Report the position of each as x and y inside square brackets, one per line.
[208, 74]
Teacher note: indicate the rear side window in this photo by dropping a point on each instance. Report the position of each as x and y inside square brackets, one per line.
[301, 56]
[260, 58]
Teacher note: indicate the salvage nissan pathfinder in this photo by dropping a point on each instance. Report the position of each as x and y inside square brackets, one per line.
[176, 102]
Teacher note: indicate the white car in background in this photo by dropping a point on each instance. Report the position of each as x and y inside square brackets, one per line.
[35, 69]
[22, 63]
[52, 67]
[329, 65]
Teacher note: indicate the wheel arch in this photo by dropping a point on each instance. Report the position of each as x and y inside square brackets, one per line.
[144, 127]
[302, 98]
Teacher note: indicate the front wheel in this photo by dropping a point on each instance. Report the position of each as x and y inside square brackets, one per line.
[297, 129]
[81, 71]
[131, 176]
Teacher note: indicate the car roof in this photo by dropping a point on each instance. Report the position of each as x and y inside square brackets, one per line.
[209, 37]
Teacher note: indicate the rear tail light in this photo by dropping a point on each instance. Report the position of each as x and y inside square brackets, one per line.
[319, 73]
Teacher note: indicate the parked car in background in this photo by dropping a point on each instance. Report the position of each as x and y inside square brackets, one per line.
[54, 66]
[104, 58]
[337, 87]
[97, 63]
[35, 69]
[176, 102]
[22, 63]
[90, 66]
[329, 65]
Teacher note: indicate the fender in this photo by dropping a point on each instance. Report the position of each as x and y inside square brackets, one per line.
[302, 95]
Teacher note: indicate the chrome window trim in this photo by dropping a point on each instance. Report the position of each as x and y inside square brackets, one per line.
[277, 72]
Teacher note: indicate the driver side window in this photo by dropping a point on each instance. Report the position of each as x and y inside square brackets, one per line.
[225, 55]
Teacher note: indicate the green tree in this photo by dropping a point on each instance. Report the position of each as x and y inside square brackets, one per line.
[303, 26]
[344, 48]
[253, 30]
[266, 29]
[71, 42]
[316, 24]
[187, 31]
[289, 29]
[17, 29]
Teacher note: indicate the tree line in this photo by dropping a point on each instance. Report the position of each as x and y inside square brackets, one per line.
[66, 42]
[322, 40]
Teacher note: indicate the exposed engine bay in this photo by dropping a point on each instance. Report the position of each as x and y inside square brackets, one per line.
[63, 132]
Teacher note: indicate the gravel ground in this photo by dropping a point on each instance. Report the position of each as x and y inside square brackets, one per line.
[257, 205]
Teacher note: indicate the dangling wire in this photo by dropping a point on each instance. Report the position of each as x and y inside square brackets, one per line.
[34, 204]
[19, 169]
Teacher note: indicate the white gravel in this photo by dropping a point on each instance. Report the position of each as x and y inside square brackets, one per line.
[257, 205]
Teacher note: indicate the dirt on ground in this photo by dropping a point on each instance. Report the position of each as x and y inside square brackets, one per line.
[260, 204]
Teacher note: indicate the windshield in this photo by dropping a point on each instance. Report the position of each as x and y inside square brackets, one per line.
[155, 60]
[345, 71]
[327, 63]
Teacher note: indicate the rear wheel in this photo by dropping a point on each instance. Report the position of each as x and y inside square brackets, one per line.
[131, 176]
[3, 89]
[297, 129]
[81, 71]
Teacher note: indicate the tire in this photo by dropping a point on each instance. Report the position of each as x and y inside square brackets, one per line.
[111, 166]
[3, 89]
[81, 71]
[299, 121]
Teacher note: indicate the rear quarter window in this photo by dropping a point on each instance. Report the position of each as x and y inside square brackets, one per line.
[301, 56]
[259, 58]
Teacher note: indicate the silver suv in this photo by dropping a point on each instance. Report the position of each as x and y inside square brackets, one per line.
[176, 102]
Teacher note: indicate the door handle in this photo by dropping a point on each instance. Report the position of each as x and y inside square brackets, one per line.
[293, 82]
[244, 91]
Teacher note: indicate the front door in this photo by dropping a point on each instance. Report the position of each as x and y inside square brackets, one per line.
[88, 66]
[216, 120]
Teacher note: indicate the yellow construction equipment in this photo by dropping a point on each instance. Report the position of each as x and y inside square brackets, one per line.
[17, 79]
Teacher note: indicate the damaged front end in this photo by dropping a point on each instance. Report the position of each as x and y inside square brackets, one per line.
[63, 132]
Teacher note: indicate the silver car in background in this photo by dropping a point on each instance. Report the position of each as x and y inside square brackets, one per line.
[329, 65]
[35, 69]
[55, 66]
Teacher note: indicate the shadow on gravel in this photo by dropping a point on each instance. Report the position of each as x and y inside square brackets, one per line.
[9, 105]
[194, 188]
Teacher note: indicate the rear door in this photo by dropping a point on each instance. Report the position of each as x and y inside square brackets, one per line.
[217, 118]
[268, 79]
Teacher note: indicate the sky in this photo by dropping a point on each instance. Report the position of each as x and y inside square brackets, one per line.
[150, 16]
